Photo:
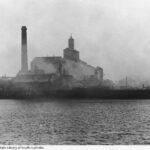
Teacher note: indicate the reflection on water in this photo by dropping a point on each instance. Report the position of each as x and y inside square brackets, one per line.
[84, 122]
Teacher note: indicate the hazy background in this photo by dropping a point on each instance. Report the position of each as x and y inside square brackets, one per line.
[113, 34]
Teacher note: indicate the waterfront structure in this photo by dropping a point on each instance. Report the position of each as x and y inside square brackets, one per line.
[69, 69]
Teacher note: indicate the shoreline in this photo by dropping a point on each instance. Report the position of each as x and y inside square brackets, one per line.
[78, 93]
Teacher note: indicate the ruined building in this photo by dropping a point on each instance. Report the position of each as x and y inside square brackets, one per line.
[69, 69]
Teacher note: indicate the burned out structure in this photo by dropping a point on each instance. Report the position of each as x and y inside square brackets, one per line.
[67, 71]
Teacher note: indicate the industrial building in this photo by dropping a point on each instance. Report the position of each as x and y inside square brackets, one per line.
[68, 70]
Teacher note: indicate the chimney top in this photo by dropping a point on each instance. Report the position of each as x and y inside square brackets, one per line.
[71, 37]
[24, 28]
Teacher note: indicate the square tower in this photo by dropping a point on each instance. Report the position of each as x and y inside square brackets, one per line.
[70, 52]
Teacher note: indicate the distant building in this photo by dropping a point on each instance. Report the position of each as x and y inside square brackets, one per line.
[70, 68]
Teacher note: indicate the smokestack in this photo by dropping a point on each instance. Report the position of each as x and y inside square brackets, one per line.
[24, 58]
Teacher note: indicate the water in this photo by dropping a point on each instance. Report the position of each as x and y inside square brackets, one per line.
[84, 122]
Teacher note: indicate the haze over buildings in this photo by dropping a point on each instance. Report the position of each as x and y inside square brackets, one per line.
[113, 34]
[68, 71]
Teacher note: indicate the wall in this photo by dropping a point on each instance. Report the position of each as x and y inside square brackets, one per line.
[41, 66]
[79, 70]
[71, 54]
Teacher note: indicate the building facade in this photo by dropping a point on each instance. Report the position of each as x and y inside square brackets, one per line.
[70, 65]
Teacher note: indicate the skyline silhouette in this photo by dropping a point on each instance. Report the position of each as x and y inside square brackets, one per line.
[114, 35]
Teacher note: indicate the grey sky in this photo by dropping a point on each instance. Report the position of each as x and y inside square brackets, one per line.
[113, 34]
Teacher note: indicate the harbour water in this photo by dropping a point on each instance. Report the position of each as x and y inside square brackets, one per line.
[70, 122]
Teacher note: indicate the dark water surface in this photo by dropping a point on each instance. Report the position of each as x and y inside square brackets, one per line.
[84, 122]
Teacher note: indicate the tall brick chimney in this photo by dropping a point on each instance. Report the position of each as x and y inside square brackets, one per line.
[24, 58]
